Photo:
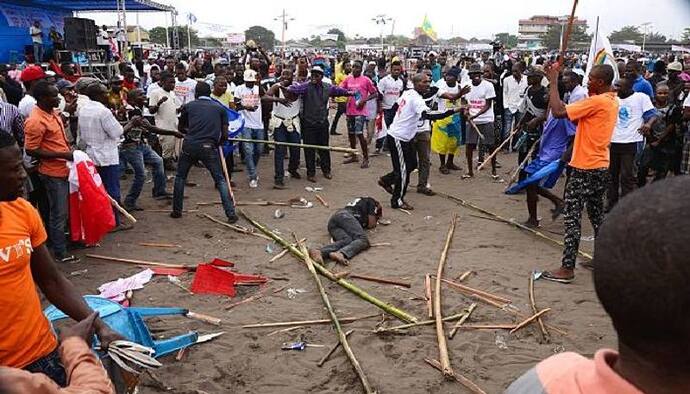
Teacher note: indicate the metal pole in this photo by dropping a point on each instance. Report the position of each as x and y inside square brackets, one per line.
[167, 33]
[189, 36]
[138, 30]
[124, 26]
[282, 50]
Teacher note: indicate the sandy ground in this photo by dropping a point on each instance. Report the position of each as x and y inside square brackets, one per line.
[249, 361]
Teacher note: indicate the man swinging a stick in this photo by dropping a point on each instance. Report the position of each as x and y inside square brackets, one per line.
[348, 227]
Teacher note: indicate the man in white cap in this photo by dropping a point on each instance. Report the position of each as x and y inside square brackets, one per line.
[248, 102]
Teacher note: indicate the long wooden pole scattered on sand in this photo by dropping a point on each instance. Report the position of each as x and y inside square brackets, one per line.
[516, 174]
[137, 262]
[457, 377]
[462, 320]
[388, 308]
[330, 148]
[542, 329]
[342, 338]
[438, 316]
[308, 322]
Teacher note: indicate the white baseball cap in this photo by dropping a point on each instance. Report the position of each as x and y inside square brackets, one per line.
[249, 75]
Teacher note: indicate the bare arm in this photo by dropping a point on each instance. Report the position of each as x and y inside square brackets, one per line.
[44, 154]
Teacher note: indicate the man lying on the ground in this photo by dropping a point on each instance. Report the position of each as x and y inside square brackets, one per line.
[641, 277]
[27, 339]
[85, 373]
[348, 227]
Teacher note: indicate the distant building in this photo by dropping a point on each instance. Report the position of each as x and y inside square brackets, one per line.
[530, 30]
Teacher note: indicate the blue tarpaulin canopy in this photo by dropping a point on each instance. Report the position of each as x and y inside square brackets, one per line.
[94, 5]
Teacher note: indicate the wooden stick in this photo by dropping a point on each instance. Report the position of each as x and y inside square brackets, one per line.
[380, 280]
[511, 222]
[474, 126]
[487, 327]
[254, 297]
[233, 227]
[181, 353]
[137, 262]
[516, 174]
[272, 333]
[418, 324]
[406, 211]
[156, 245]
[457, 377]
[529, 320]
[505, 141]
[388, 308]
[278, 256]
[483, 299]
[464, 276]
[440, 334]
[121, 210]
[376, 245]
[566, 36]
[204, 318]
[321, 200]
[225, 172]
[544, 333]
[321, 147]
[170, 210]
[462, 320]
[332, 350]
[342, 338]
[427, 294]
[309, 322]
[478, 292]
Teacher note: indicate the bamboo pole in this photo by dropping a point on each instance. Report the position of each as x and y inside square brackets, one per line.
[204, 318]
[170, 210]
[377, 245]
[468, 289]
[342, 338]
[427, 295]
[158, 245]
[508, 138]
[440, 334]
[464, 276]
[321, 200]
[233, 227]
[487, 327]
[121, 210]
[137, 262]
[388, 308]
[283, 253]
[522, 164]
[457, 377]
[343, 320]
[462, 320]
[225, 172]
[529, 320]
[332, 350]
[511, 222]
[272, 333]
[321, 147]
[380, 280]
[486, 300]
[419, 324]
[254, 297]
[474, 126]
[544, 333]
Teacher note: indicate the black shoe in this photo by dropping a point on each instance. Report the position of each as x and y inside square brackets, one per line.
[175, 214]
[335, 133]
[327, 175]
[133, 208]
[295, 175]
[279, 185]
[164, 196]
[233, 219]
[388, 188]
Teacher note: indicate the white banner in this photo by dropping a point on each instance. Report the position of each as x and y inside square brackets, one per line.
[678, 48]
[325, 37]
[235, 38]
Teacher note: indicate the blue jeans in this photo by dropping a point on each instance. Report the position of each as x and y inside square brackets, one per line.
[252, 150]
[281, 134]
[38, 53]
[57, 190]
[138, 156]
[355, 124]
[110, 175]
[51, 366]
[209, 156]
[508, 122]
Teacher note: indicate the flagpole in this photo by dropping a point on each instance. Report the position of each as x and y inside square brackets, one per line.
[189, 34]
[596, 33]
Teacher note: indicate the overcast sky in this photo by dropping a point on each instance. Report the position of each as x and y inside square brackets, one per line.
[481, 19]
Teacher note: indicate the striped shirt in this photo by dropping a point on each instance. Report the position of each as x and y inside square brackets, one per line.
[11, 121]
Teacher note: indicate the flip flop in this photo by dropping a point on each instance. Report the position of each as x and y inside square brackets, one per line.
[467, 176]
[546, 275]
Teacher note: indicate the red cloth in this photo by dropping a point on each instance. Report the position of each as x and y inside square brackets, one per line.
[169, 271]
[213, 280]
[90, 212]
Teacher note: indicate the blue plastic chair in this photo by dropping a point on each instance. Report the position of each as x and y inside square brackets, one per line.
[129, 323]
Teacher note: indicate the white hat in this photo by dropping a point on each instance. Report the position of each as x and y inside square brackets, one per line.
[433, 53]
[317, 68]
[371, 62]
[675, 66]
[249, 75]
[579, 72]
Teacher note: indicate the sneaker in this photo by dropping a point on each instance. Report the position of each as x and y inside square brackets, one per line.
[352, 159]
[175, 214]
[233, 219]
[404, 206]
[254, 183]
[295, 175]
[133, 208]
[164, 196]
[453, 167]
[327, 175]
[311, 178]
[279, 185]
[365, 164]
[444, 170]
[426, 191]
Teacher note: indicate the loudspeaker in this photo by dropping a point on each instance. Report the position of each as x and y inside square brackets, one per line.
[80, 34]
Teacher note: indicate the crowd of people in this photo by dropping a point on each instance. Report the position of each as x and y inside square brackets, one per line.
[606, 131]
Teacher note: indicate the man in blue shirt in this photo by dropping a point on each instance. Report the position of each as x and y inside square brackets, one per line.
[632, 72]
[434, 67]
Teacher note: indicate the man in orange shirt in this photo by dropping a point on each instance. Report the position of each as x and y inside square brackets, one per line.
[641, 279]
[596, 117]
[45, 140]
[27, 339]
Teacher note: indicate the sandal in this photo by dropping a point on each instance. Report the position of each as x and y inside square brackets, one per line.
[467, 176]
[68, 259]
[546, 275]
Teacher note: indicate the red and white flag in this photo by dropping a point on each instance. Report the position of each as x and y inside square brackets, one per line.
[90, 212]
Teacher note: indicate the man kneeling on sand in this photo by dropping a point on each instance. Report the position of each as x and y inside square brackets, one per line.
[641, 277]
[347, 227]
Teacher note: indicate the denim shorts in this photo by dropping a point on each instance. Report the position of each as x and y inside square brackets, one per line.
[355, 124]
[51, 366]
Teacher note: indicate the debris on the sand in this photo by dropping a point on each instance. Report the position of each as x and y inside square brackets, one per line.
[77, 273]
[278, 214]
[269, 248]
[292, 292]
[116, 290]
[313, 189]
[501, 342]
[300, 203]
[294, 346]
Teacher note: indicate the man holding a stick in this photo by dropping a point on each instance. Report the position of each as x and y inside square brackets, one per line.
[480, 119]
[533, 106]
[596, 117]
[205, 126]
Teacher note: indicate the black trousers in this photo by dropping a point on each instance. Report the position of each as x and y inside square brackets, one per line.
[316, 134]
[404, 159]
[621, 171]
[339, 112]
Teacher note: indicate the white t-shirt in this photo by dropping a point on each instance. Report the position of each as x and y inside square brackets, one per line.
[38, 39]
[477, 99]
[184, 90]
[250, 98]
[390, 89]
[411, 105]
[166, 116]
[630, 110]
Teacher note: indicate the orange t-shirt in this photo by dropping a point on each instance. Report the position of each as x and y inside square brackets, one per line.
[25, 333]
[596, 117]
[44, 130]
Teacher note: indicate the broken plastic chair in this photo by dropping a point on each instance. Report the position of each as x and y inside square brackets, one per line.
[129, 323]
